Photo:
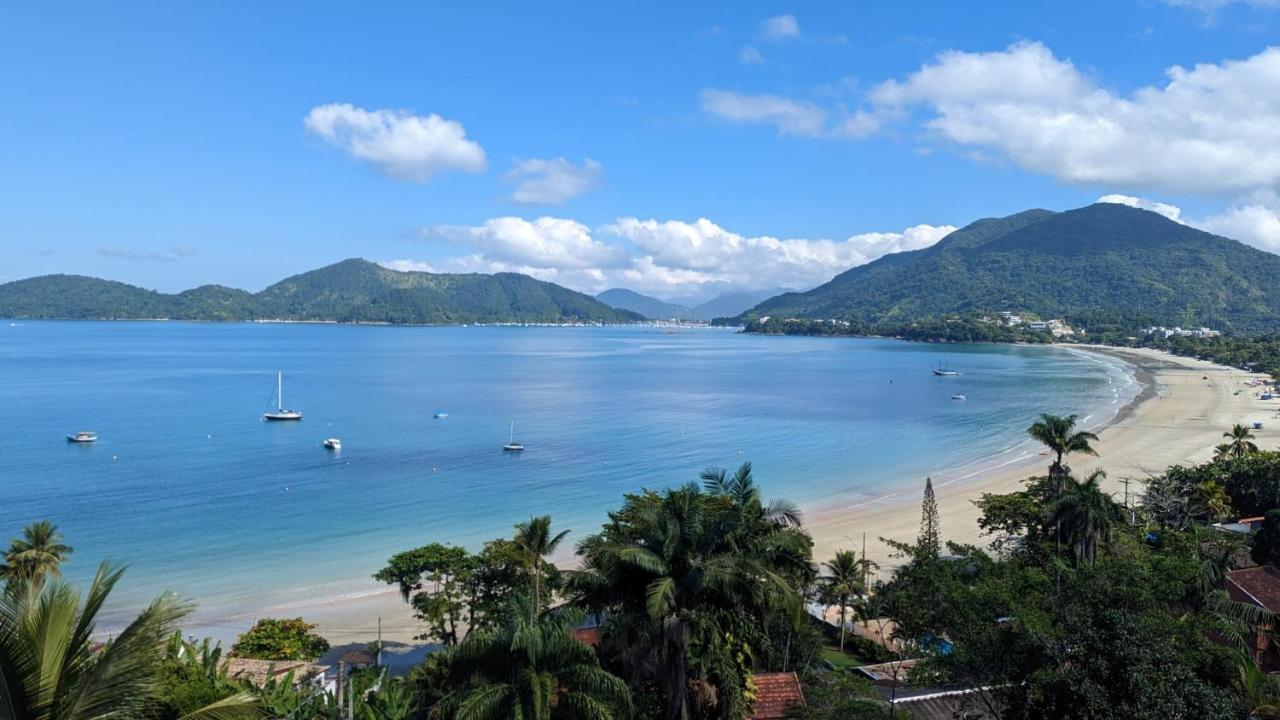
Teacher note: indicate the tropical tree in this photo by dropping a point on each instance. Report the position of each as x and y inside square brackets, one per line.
[1059, 435]
[1086, 514]
[280, 639]
[535, 542]
[51, 669]
[684, 565]
[390, 699]
[1239, 441]
[532, 667]
[845, 580]
[39, 552]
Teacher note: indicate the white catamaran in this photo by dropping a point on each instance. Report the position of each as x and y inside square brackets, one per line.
[280, 413]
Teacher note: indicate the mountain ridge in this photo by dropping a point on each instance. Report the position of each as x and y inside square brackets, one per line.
[1103, 263]
[352, 290]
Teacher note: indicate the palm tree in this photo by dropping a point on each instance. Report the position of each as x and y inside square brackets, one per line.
[535, 541]
[845, 581]
[1087, 514]
[531, 667]
[1240, 443]
[38, 553]
[669, 563]
[1059, 435]
[50, 669]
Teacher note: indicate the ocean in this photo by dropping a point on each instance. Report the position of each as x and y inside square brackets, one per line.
[197, 495]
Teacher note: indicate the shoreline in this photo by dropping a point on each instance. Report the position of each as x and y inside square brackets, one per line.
[1177, 418]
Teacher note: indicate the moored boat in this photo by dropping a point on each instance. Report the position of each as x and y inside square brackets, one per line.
[512, 445]
[280, 413]
[84, 436]
[333, 444]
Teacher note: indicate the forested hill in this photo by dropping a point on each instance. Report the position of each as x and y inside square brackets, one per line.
[349, 291]
[1105, 263]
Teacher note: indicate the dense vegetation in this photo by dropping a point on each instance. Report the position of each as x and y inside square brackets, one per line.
[349, 291]
[1085, 265]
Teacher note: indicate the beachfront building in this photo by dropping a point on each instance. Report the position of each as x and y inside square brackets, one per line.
[261, 672]
[1258, 586]
[1164, 332]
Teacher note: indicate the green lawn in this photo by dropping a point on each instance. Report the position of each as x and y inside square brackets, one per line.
[832, 654]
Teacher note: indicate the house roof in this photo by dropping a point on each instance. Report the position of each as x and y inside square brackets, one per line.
[1260, 584]
[260, 672]
[946, 705]
[775, 694]
[587, 635]
[357, 657]
[883, 673]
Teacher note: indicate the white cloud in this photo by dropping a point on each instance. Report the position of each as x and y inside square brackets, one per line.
[750, 56]
[779, 28]
[172, 254]
[399, 144]
[546, 242]
[1209, 128]
[553, 181]
[1253, 221]
[668, 258]
[792, 117]
[1254, 224]
[1211, 6]
[1173, 212]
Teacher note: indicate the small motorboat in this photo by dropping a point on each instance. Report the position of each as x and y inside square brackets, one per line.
[440, 415]
[83, 437]
[958, 397]
[333, 444]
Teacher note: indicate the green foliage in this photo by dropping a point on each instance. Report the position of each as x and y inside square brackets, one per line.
[280, 639]
[1266, 542]
[452, 589]
[38, 553]
[350, 291]
[838, 695]
[528, 667]
[50, 668]
[1110, 264]
[689, 579]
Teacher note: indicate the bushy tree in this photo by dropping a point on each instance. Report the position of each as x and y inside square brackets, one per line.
[280, 639]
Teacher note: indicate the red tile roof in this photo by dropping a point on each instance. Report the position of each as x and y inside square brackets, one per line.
[1260, 585]
[587, 636]
[775, 694]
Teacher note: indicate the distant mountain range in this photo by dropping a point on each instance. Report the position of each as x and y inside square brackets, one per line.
[1101, 264]
[726, 305]
[348, 291]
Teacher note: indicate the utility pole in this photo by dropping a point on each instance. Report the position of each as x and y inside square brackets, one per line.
[377, 658]
[341, 667]
[1132, 517]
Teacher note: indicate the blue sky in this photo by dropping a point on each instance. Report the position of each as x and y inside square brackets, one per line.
[674, 148]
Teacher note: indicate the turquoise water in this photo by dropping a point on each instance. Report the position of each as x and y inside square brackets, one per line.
[200, 497]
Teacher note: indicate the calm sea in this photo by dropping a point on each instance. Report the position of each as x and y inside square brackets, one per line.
[199, 496]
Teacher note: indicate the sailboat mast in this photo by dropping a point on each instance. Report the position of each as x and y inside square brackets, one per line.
[512, 437]
[280, 390]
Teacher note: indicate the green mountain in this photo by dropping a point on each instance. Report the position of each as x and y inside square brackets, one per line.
[650, 307]
[1104, 263]
[349, 291]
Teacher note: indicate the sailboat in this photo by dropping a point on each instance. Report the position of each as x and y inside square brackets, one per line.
[280, 413]
[944, 371]
[512, 445]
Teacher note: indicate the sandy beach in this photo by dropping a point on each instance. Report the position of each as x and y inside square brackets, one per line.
[1179, 417]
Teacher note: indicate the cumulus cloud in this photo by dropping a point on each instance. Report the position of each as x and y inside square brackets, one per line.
[553, 181]
[792, 117]
[750, 56]
[546, 242]
[664, 257]
[399, 144]
[1208, 128]
[779, 28]
[1173, 212]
